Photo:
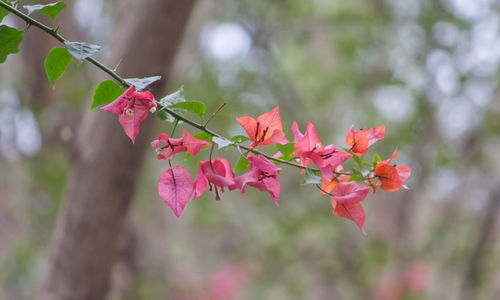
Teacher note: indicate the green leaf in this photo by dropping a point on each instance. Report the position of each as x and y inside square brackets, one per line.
[162, 115]
[10, 38]
[238, 139]
[51, 10]
[142, 83]
[311, 177]
[286, 150]
[221, 142]
[175, 97]
[56, 63]
[376, 158]
[3, 11]
[81, 50]
[241, 165]
[106, 92]
[357, 176]
[203, 136]
[358, 160]
[194, 106]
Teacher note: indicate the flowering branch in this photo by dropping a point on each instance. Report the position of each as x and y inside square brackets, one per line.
[347, 189]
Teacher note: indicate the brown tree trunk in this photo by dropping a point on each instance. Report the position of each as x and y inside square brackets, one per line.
[106, 163]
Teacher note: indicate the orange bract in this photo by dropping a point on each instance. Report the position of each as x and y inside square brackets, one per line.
[359, 141]
[266, 130]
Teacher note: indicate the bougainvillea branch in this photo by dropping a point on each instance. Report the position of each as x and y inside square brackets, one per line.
[132, 105]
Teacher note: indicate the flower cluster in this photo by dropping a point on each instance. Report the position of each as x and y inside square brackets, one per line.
[346, 189]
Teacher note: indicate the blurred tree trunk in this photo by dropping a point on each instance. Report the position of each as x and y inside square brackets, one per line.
[106, 163]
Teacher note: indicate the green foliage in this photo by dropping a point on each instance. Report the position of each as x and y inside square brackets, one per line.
[241, 165]
[175, 97]
[238, 139]
[359, 161]
[286, 150]
[3, 11]
[10, 38]
[198, 108]
[56, 63]
[203, 136]
[51, 10]
[142, 83]
[221, 142]
[81, 50]
[106, 92]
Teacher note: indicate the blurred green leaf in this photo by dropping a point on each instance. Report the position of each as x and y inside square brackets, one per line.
[203, 136]
[358, 160]
[241, 165]
[238, 139]
[3, 11]
[142, 83]
[51, 10]
[56, 63]
[193, 106]
[286, 150]
[10, 38]
[106, 92]
[81, 50]
[357, 176]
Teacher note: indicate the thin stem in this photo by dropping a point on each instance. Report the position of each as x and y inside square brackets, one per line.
[175, 127]
[214, 113]
[53, 33]
[210, 157]
[321, 189]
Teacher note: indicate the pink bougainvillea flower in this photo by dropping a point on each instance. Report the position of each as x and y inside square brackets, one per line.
[218, 173]
[392, 176]
[309, 148]
[328, 159]
[167, 147]
[305, 143]
[346, 202]
[359, 141]
[132, 108]
[262, 174]
[176, 188]
[266, 130]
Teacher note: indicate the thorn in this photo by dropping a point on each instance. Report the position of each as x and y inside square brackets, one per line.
[118, 64]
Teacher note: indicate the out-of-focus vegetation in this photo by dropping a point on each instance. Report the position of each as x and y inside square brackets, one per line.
[426, 69]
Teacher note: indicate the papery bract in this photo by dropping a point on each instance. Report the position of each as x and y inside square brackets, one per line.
[392, 176]
[262, 174]
[176, 188]
[218, 172]
[132, 109]
[345, 200]
[327, 186]
[167, 147]
[266, 130]
[305, 143]
[328, 159]
[359, 141]
[309, 148]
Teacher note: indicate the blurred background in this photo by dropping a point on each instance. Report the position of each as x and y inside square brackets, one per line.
[427, 69]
